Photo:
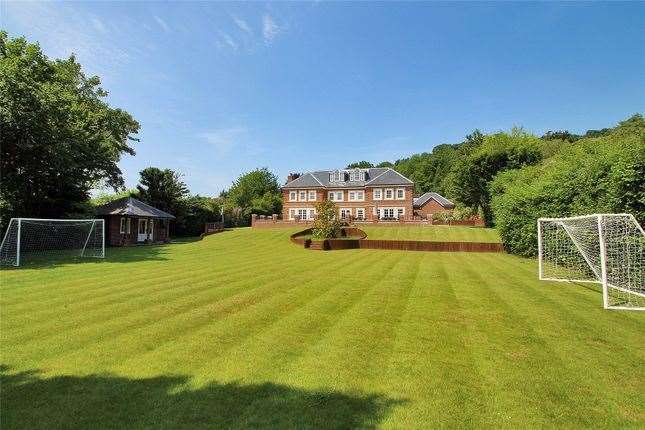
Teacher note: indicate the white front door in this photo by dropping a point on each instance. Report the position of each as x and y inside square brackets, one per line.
[143, 230]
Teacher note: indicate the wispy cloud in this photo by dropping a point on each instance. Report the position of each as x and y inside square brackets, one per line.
[242, 25]
[228, 40]
[270, 29]
[225, 139]
[163, 24]
[63, 30]
[98, 25]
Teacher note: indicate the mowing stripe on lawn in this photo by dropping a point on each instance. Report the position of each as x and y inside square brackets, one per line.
[222, 335]
[129, 325]
[288, 338]
[149, 292]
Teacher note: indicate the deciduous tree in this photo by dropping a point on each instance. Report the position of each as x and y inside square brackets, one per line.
[60, 138]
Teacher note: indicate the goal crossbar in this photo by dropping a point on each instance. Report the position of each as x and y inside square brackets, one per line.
[606, 249]
[46, 239]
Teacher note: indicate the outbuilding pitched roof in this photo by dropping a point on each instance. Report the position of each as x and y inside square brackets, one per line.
[374, 176]
[424, 198]
[132, 207]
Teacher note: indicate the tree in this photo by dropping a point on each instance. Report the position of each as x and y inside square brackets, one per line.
[162, 189]
[385, 164]
[104, 198]
[564, 135]
[59, 137]
[254, 192]
[360, 164]
[198, 210]
[595, 175]
[427, 170]
[472, 174]
[326, 224]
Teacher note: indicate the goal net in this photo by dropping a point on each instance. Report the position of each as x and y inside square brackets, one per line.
[33, 240]
[608, 249]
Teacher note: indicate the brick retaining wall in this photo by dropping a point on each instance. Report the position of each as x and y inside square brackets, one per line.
[400, 245]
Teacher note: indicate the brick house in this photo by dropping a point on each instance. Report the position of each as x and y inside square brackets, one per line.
[363, 194]
[431, 203]
[129, 221]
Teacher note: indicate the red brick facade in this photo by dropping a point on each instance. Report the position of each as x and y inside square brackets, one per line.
[429, 208]
[395, 201]
[114, 236]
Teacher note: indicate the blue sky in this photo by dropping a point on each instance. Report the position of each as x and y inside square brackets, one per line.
[222, 88]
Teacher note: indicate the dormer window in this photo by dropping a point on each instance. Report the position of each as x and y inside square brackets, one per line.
[355, 175]
[337, 176]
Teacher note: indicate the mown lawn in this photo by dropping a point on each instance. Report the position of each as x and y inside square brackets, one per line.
[245, 329]
[432, 233]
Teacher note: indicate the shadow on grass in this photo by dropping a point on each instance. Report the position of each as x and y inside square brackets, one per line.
[129, 254]
[104, 401]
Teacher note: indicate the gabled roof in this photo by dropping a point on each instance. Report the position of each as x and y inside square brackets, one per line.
[425, 198]
[132, 207]
[389, 177]
[373, 176]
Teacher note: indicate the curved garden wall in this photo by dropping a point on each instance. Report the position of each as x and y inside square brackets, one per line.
[361, 242]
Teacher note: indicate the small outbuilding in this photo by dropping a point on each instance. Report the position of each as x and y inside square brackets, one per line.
[129, 221]
[431, 203]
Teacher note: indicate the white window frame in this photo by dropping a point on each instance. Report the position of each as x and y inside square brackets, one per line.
[362, 215]
[331, 195]
[357, 175]
[337, 176]
[359, 196]
[293, 196]
[385, 197]
[123, 225]
[300, 195]
[394, 211]
[380, 194]
[396, 194]
[348, 211]
[311, 195]
[338, 196]
[303, 213]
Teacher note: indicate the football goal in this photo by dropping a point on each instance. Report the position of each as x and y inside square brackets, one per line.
[33, 240]
[608, 249]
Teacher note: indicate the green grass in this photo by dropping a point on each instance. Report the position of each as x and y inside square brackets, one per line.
[245, 329]
[431, 233]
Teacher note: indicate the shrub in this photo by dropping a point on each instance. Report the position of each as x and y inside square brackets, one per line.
[594, 175]
[326, 225]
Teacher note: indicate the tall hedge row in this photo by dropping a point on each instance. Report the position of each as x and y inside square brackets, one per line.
[593, 175]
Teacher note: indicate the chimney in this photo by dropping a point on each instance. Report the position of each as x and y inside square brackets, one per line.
[292, 176]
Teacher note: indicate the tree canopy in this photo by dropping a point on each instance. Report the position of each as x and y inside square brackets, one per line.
[360, 164]
[162, 189]
[603, 174]
[255, 192]
[59, 136]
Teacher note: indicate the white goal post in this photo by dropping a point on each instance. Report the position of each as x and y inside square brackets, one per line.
[608, 249]
[44, 240]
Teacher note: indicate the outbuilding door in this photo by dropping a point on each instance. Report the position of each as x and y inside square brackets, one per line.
[142, 232]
